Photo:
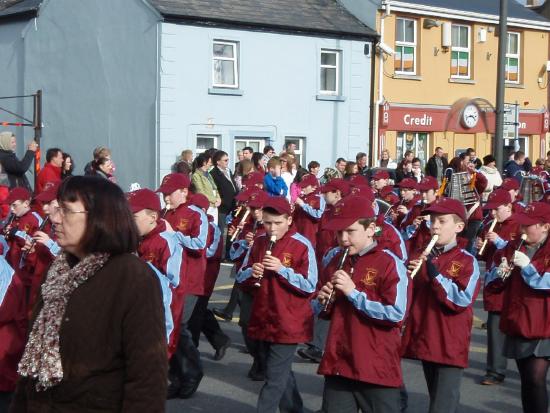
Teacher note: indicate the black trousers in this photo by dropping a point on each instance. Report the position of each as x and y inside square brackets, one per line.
[203, 320]
[185, 365]
[343, 395]
[5, 400]
[279, 390]
[443, 386]
[496, 362]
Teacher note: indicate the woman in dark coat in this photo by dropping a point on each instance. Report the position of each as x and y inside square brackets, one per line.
[13, 167]
[98, 339]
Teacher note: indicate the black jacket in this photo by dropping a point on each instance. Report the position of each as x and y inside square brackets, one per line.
[431, 166]
[227, 190]
[16, 169]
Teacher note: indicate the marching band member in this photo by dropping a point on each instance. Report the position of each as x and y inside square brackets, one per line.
[191, 226]
[438, 329]
[366, 294]
[512, 186]
[282, 263]
[524, 274]
[505, 229]
[308, 208]
[380, 180]
[408, 199]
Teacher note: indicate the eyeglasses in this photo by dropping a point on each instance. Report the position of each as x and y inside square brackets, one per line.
[63, 211]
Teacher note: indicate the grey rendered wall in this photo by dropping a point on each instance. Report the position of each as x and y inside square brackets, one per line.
[279, 79]
[96, 62]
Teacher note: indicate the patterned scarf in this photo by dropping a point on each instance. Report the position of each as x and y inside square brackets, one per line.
[42, 360]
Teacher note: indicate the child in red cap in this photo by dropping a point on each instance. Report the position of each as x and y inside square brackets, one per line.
[309, 208]
[439, 326]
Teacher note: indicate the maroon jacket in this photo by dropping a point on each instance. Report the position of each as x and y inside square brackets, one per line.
[439, 326]
[364, 339]
[214, 249]
[281, 312]
[391, 239]
[13, 326]
[21, 230]
[306, 218]
[191, 224]
[326, 239]
[526, 301]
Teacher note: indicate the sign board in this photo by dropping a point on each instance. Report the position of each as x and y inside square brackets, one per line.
[511, 121]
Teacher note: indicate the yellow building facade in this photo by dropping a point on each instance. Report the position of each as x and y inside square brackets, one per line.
[436, 75]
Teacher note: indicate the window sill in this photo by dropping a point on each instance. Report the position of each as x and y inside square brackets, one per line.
[514, 85]
[406, 77]
[463, 81]
[224, 91]
[331, 98]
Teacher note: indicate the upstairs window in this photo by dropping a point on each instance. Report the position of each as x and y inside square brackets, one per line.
[405, 46]
[330, 72]
[225, 67]
[512, 58]
[460, 51]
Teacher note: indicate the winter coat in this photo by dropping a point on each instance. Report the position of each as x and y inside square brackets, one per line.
[493, 180]
[16, 169]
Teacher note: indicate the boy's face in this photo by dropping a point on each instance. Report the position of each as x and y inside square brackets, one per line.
[52, 206]
[275, 171]
[356, 237]
[380, 183]
[535, 233]
[332, 198]
[407, 194]
[315, 171]
[308, 189]
[19, 208]
[176, 198]
[445, 226]
[502, 212]
[276, 224]
[144, 221]
[428, 196]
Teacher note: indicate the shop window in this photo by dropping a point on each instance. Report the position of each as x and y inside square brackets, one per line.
[417, 142]
[405, 46]
[513, 58]
[330, 72]
[460, 51]
[225, 67]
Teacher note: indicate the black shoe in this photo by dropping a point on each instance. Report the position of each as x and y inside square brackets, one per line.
[189, 388]
[173, 391]
[491, 379]
[311, 353]
[220, 353]
[255, 373]
[222, 314]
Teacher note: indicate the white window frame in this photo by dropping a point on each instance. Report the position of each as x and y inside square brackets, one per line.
[462, 50]
[300, 152]
[261, 140]
[513, 55]
[407, 44]
[338, 54]
[234, 59]
[215, 137]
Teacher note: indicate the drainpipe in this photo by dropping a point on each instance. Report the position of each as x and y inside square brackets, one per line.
[376, 130]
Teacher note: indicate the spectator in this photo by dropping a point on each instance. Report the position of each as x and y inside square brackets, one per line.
[248, 152]
[269, 151]
[386, 161]
[187, 156]
[99, 152]
[490, 171]
[351, 169]
[437, 165]
[244, 168]
[408, 156]
[313, 168]
[527, 165]
[547, 162]
[471, 152]
[295, 188]
[290, 148]
[227, 187]
[406, 171]
[273, 183]
[341, 167]
[361, 160]
[257, 160]
[67, 167]
[104, 168]
[13, 167]
[417, 169]
[513, 168]
[288, 171]
[122, 334]
[204, 183]
[51, 172]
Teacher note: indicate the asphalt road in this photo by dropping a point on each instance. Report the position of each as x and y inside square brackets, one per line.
[225, 387]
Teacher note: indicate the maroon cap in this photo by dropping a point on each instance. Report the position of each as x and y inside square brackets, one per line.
[173, 182]
[358, 180]
[18, 194]
[448, 206]
[279, 204]
[408, 183]
[245, 194]
[336, 184]
[307, 180]
[255, 178]
[347, 211]
[534, 213]
[200, 200]
[388, 195]
[497, 198]
[510, 183]
[427, 183]
[257, 198]
[49, 193]
[381, 174]
[363, 191]
[143, 199]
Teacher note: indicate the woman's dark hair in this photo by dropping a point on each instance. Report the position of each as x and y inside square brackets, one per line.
[256, 158]
[200, 160]
[110, 226]
[65, 173]
[487, 159]
[217, 156]
[300, 174]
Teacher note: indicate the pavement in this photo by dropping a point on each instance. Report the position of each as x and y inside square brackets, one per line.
[225, 387]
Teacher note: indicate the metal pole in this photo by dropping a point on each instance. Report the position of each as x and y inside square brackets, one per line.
[37, 121]
[498, 140]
